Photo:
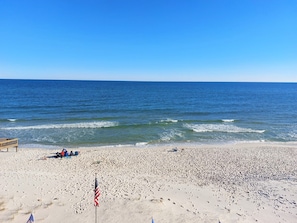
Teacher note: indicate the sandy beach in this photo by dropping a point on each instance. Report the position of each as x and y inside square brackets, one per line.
[248, 182]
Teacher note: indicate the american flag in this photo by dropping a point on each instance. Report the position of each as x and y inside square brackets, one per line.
[97, 193]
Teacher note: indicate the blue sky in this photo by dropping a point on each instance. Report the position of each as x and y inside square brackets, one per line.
[162, 40]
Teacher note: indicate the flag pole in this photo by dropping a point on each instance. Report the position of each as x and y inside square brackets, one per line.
[95, 196]
[95, 214]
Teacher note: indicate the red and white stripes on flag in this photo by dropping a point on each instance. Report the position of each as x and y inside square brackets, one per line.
[97, 193]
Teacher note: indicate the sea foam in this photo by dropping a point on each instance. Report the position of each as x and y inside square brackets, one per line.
[168, 120]
[220, 128]
[86, 125]
[228, 120]
[170, 134]
[12, 119]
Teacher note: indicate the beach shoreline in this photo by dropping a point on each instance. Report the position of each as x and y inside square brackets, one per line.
[237, 182]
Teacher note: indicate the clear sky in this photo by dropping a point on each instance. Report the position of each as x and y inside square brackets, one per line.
[149, 40]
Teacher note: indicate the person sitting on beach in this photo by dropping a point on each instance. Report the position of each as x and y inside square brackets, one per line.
[71, 153]
[64, 152]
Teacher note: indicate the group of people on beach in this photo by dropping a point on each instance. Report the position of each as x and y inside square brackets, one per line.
[65, 153]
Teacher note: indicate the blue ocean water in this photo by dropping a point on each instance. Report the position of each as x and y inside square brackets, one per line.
[101, 113]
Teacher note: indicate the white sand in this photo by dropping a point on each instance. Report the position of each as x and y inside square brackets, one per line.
[252, 182]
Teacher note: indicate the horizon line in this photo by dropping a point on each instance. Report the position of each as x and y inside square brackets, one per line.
[149, 81]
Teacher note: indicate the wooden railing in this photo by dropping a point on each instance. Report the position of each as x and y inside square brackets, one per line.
[8, 143]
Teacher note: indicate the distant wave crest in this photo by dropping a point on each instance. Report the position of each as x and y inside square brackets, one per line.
[12, 119]
[220, 128]
[169, 120]
[81, 125]
[228, 120]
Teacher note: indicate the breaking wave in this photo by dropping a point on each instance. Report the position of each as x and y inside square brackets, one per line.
[81, 125]
[168, 120]
[141, 143]
[12, 119]
[228, 120]
[220, 128]
[170, 135]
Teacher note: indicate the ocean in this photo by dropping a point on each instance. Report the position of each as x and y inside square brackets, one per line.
[49, 114]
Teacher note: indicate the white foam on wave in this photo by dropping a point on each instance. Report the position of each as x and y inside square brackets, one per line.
[171, 134]
[228, 120]
[12, 119]
[79, 125]
[220, 128]
[169, 120]
[293, 135]
[141, 143]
